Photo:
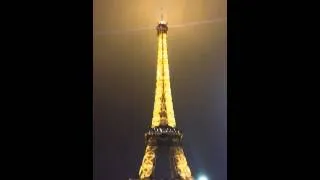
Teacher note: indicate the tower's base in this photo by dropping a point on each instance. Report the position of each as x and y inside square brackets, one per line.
[169, 138]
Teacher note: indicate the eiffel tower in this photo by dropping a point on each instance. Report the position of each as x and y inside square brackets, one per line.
[163, 132]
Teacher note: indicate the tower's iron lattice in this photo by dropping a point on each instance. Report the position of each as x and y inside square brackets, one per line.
[163, 131]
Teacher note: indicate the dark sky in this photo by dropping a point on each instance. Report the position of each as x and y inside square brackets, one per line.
[124, 83]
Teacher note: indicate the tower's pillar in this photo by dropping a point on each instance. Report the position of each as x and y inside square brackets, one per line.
[148, 162]
[180, 163]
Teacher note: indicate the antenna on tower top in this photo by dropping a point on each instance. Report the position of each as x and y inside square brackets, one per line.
[161, 13]
[161, 20]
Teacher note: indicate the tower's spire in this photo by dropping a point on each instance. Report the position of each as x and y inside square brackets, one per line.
[163, 112]
[161, 14]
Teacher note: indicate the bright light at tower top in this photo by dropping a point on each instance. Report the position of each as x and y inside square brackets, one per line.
[162, 22]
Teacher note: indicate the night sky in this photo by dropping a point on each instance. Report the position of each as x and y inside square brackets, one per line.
[124, 83]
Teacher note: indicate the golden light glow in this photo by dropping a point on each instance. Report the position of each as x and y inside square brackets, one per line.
[148, 162]
[163, 113]
[163, 84]
[181, 163]
[162, 22]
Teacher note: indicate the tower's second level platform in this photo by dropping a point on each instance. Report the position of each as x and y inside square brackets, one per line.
[163, 135]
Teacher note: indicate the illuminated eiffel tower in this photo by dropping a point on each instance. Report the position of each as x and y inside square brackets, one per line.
[163, 132]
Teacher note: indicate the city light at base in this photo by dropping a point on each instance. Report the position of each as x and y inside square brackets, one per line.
[203, 177]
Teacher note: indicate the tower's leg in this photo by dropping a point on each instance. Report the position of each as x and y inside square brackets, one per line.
[180, 163]
[172, 164]
[148, 162]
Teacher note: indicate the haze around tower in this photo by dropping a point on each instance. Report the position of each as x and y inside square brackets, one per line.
[124, 77]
